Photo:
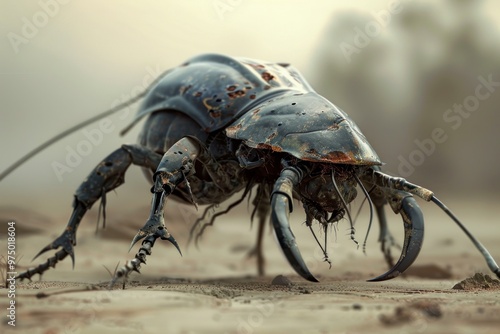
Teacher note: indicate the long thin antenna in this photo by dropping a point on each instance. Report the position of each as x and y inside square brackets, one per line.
[78, 126]
[487, 256]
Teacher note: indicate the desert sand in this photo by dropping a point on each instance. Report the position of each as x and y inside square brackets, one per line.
[214, 288]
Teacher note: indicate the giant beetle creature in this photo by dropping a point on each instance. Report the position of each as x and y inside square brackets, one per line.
[218, 125]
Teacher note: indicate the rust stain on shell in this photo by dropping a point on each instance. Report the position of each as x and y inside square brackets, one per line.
[341, 157]
[232, 130]
[269, 147]
[236, 94]
[312, 151]
[184, 87]
[267, 76]
[215, 113]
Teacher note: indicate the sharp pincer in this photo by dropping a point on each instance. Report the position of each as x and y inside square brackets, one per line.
[281, 205]
[414, 236]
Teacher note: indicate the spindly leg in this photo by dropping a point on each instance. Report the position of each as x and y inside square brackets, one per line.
[173, 169]
[176, 166]
[177, 163]
[106, 176]
[385, 238]
[262, 209]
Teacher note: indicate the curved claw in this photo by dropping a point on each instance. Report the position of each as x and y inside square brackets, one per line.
[50, 263]
[281, 205]
[414, 236]
[173, 241]
[65, 241]
[155, 223]
[160, 232]
[140, 235]
[279, 217]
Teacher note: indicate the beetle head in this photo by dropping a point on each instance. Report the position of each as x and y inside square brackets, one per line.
[319, 188]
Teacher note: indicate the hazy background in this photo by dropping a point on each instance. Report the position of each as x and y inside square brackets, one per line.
[87, 55]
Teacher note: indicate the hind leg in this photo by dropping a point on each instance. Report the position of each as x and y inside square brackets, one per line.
[262, 209]
[107, 175]
[385, 237]
[259, 253]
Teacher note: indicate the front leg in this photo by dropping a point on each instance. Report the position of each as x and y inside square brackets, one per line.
[107, 175]
[177, 163]
[173, 169]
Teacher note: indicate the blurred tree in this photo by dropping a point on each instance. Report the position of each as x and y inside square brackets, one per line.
[402, 79]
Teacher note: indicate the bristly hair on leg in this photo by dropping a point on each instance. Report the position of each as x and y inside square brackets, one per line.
[135, 264]
[102, 209]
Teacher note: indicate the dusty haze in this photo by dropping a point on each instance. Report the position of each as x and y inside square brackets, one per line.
[397, 75]
[89, 55]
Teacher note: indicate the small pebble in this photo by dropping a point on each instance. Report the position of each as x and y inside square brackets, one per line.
[281, 280]
[357, 306]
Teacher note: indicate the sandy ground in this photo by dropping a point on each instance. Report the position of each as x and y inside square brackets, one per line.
[214, 289]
